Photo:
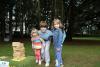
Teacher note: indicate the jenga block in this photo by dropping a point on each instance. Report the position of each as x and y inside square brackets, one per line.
[18, 50]
[15, 44]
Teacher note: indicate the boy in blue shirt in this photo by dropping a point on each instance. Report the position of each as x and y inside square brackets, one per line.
[45, 34]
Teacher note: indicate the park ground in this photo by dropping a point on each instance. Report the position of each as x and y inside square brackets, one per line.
[76, 53]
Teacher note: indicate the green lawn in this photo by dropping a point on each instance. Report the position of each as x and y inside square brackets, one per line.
[86, 38]
[73, 55]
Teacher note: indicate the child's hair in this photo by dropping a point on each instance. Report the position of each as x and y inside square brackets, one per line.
[34, 30]
[43, 24]
[58, 22]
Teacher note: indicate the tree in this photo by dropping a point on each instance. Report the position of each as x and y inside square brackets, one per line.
[78, 12]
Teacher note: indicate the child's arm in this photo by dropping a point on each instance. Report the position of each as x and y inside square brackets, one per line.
[43, 43]
[50, 33]
[64, 36]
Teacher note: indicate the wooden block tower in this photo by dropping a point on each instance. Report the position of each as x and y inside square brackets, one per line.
[18, 51]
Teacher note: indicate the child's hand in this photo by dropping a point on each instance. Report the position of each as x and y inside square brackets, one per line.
[58, 49]
[41, 40]
[43, 46]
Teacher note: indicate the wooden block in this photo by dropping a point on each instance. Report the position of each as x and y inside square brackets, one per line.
[18, 50]
[15, 44]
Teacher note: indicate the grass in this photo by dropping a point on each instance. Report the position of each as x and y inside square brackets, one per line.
[86, 38]
[74, 55]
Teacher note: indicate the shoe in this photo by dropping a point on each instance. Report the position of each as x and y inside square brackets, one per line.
[36, 61]
[39, 62]
[61, 65]
[42, 60]
[56, 63]
[47, 65]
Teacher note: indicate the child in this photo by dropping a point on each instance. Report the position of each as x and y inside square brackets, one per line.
[58, 39]
[36, 45]
[45, 35]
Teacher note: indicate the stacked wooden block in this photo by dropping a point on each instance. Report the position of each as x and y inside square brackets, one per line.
[18, 51]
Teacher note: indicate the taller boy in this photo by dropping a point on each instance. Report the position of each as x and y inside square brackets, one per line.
[45, 34]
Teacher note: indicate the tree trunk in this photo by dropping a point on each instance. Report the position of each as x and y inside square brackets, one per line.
[71, 19]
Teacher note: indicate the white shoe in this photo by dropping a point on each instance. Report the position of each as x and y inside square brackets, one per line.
[39, 62]
[47, 65]
[56, 63]
[61, 65]
[36, 61]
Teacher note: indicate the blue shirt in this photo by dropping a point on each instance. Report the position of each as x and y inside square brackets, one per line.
[57, 37]
[45, 35]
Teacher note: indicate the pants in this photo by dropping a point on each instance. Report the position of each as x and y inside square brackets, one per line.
[38, 54]
[45, 52]
[58, 56]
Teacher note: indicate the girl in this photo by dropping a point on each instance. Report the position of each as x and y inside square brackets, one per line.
[58, 39]
[45, 35]
[36, 44]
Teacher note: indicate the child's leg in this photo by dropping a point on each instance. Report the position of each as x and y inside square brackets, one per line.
[47, 53]
[55, 52]
[42, 53]
[36, 55]
[58, 57]
[61, 62]
[39, 55]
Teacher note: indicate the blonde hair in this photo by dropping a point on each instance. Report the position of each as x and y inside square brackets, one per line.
[58, 22]
[43, 24]
[34, 30]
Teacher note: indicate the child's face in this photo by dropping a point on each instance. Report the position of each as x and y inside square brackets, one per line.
[56, 25]
[43, 29]
[34, 34]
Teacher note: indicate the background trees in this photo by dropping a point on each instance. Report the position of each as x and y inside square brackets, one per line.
[80, 17]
